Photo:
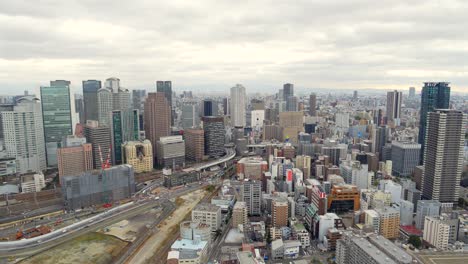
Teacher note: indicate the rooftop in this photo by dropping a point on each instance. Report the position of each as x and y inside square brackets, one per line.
[373, 251]
[207, 207]
[187, 244]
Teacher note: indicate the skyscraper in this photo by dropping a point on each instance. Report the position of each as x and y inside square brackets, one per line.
[125, 126]
[313, 104]
[443, 155]
[24, 135]
[252, 196]
[238, 105]
[405, 157]
[157, 118]
[138, 98]
[113, 84]
[166, 88]
[121, 100]
[214, 135]
[57, 116]
[90, 89]
[288, 90]
[79, 108]
[291, 104]
[100, 138]
[209, 107]
[104, 106]
[194, 144]
[75, 158]
[434, 95]
[412, 92]
[227, 106]
[190, 115]
[394, 99]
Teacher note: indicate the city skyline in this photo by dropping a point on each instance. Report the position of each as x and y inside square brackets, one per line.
[359, 44]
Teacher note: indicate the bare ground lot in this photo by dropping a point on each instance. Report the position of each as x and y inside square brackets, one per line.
[95, 248]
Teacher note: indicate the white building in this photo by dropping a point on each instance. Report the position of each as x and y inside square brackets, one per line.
[342, 120]
[32, 183]
[372, 218]
[355, 173]
[24, 135]
[326, 222]
[257, 118]
[436, 232]
[238, 105]
[208, 214]
[394, 188]
[406, 212]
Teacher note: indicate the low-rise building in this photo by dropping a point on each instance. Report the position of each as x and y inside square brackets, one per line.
[32, 182]
[208, 214]
[139, 154]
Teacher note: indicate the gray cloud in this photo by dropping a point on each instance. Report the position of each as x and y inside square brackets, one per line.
[214, 44]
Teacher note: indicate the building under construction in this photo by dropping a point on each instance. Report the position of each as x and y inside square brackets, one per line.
[98, 187]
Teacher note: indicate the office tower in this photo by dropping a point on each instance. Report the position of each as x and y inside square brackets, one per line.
[100, 138]
[79, 108]
[379, 138]
[104, 106]
[239, 214]
[138, 154]
[313, 104]
[335, 153]
[214, 136]
[257, 118]
[90, 90]
[433, 96]
[291, 104]
[171, 151]
[405, 157]
[227, 106]
[355, 173]
[75, 158]
[271, 115]
[238, 105]
[190, 117]
[138, 100]
[157, 118]
[355, 95]
[166, 88]
[378, 117]
[394, 99]
[57, 116]
[292, 123]
[443, 157]
[252, 196]
[389, 222]
[112, 84]
[279, 212]
[406, 213]
[121, 100]
[125, 127]
[194, 144]
[98, 187]
[23, 135]
[426, 208]
[412, 92]
[209, 108]
[288, 90]
[208, 214]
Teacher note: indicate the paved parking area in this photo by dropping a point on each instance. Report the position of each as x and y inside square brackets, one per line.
[452, 258]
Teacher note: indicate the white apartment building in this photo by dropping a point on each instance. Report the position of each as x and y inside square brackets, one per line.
[208, 214]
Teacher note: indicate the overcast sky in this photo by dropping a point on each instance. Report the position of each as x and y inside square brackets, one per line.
[212, 45]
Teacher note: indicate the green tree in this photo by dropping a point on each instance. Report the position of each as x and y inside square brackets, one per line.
[315, 261]
[415, 241]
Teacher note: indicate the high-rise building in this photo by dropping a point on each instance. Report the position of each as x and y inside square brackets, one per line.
[23, 135]
[171, 151]
[436, 232]
[139, 154]
[100, 138]
[227, 106]
[209, 107]
[394, 99]
[138, 99]
[443, 157]
[157, 118]
[434, 95]
[412, 92]
[238, 105]
[57, 116]
[292, 123]
[313, 104]
[252, 196]
[74, 159]
[90, 89]
[112, 84]
[125, 127]
[194, 144]
[291, 104]
[104, 106]
[279, 212]
[355, 95]
[190, 117]
[379, 138]
[121, 100]
[288, 90]
[214, 136]
[239, 214]
[426, 208]
[389, 222]
[98, 187]
[405, 157]
[166, 88]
